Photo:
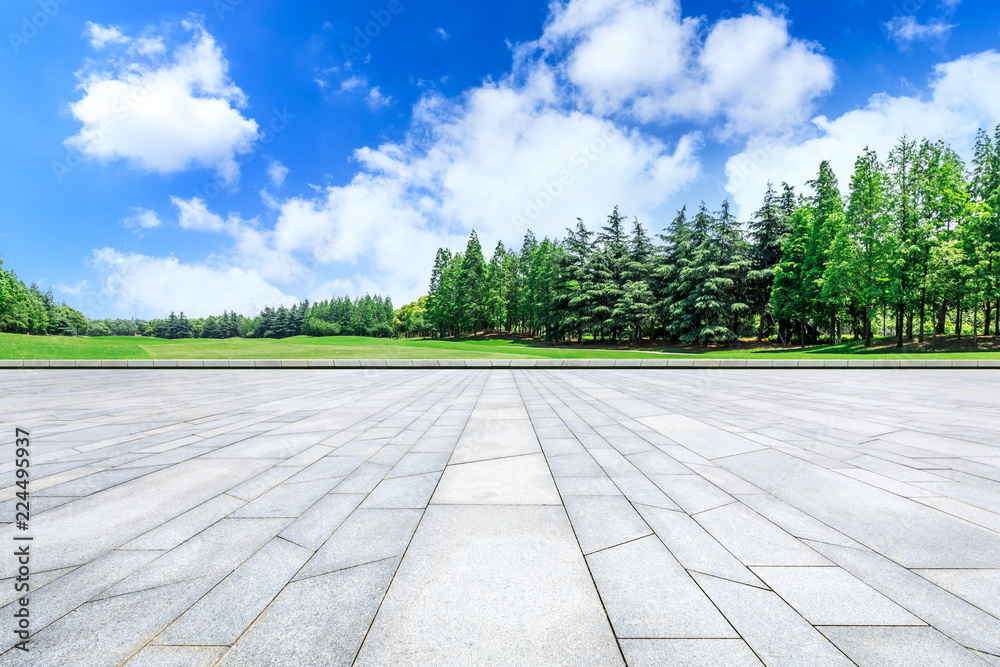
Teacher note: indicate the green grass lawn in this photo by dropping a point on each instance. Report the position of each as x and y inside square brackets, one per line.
[13, 346]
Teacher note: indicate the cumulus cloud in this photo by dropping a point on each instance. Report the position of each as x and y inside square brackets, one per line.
[100, 36]
[502, 158]
[164, 110]
[641, 57]
[549, 142]
[376, 99]
[906, 30]
[194, 214]
[957, 105]
[277, 173]
[145, 286]
[253, 245]
[553, 140]
[143, 219]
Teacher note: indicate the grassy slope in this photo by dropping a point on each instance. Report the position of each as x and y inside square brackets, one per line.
[349, 347]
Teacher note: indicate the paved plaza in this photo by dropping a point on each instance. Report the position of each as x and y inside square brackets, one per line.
[506, 517]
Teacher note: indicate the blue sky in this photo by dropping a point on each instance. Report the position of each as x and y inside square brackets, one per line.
[233, 155]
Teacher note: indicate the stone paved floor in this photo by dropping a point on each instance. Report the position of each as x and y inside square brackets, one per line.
[498, 517]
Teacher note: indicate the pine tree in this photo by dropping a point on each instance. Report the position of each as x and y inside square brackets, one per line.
[768, 230]
[470, 285]
[607, 273]
[438, 295]
[635, 307]
[570, 298]
[495, 289]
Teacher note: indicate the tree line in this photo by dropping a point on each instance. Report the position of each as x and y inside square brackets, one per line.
[913, 245]
[27, 309]
[364, 316]
[910, 248]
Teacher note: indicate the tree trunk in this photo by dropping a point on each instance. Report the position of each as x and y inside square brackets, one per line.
[909, 325]
[868, 328]
[923, 313]
[975, 325]
[899, 326]
[802, 334]
[958, 321]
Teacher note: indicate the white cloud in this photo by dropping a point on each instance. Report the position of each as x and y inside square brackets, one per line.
[443, 34]
[135, 284]
[376, 99]
[142, 219]
[537, 148]
[164, 110]
[958, 104]
[905, 30]
[73, 290]
[277, 173]
[194, 214]
[491, 161]
[149, 46]
[253, 246]
[100, 36]
[642, 58]
[353, 83]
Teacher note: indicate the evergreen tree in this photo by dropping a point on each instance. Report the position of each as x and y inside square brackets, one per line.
[495, 289]
[768, 230]
[607, 272]
[792, 295]
[635, 306]
[858, 269]
[904, 245]
[469, 289]
[828, 218]
[574, 295]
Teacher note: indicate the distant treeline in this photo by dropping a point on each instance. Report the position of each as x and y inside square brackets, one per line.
[366, 316]
[27, 310]
[913, 246]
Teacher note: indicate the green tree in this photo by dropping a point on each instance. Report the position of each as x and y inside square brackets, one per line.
[768, 228]
[859, 264]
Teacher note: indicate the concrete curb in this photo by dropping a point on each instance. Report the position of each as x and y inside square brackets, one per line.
[520, 364]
